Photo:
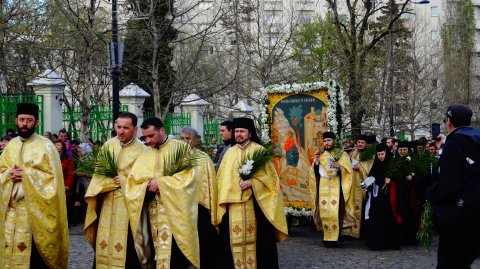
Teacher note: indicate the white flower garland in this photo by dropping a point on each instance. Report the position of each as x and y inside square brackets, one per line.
[297, 212]
[335, 94]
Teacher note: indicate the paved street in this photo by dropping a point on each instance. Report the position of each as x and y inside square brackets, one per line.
[302, 250]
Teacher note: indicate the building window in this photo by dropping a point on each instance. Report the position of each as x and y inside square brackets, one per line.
[434, 11]
[305, 16]
[405, 16]
[205, 5]
[434, 35]
[434, 83]
[272, 16]
[272, 40]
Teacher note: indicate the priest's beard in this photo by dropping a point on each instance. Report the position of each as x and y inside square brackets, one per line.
[25, 133]
[329, 148]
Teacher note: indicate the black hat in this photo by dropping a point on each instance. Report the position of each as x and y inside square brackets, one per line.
[381, 147]
[329, 135]
[248, 124]
[27, 108]
[403, 144]
[459, 115]
[363, 137]
[371, 139]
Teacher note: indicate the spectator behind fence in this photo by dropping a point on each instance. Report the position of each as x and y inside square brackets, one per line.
[68, 175]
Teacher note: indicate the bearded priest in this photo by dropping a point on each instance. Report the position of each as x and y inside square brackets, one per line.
[334, 192]
[33, 205]
[250, 212]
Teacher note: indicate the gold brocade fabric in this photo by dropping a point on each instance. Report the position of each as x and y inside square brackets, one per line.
[329, 196]
[18, 237]
[205, 175]
[243, 234]
[106, 223]
[173, 212]
[357, 193]
[43, 192]
[265, 186]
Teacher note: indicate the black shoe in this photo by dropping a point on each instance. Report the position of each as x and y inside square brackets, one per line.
[330, 244]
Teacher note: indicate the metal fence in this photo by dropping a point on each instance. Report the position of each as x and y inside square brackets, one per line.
[8, 110]
[211, 129]
[100, 125]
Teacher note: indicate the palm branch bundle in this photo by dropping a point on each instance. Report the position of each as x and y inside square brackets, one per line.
[422, 162]
[86, 163]
[368, 153]
[336, 154]
[100, 161]
[394, 167]
[425, 233]
[253, 162]
[106, 163]
[181, 159]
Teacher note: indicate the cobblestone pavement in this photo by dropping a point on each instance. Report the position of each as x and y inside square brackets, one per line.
[304, 249]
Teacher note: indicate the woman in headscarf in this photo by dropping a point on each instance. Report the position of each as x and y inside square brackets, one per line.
[380, 209]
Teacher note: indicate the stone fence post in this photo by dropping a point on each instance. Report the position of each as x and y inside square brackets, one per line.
[242, 109]
[51, 86]
[134, 97]
[194, 105]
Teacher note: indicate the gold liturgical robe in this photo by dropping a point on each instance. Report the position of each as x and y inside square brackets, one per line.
[205, 175]
[242, 221]
[357, 193]
[106, 223]
[174, 210]
[34, 207]
[329, 199]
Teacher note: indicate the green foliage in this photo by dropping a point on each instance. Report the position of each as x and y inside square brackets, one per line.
[368, 153]
[106, 164]
[181, 159]
[458, 42]
[315, 48]
[258, 159]
[100, 161]
[336, 154]
[425, 233]
[86, 163]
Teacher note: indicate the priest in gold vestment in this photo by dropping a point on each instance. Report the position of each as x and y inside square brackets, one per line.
[205, 175]
[333, 195]
[33, 206]
[168, 203]
[250, 213]
[107, 222]
[360, 172]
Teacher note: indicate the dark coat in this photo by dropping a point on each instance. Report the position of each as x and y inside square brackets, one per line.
[460, 143]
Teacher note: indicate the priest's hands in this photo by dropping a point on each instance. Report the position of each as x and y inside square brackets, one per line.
[245, 184]
[16, 174]
[336, 165]
[356, 167]
[153, 185]
[117, 180]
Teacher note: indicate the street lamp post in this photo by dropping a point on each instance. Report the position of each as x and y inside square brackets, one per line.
[115, 62]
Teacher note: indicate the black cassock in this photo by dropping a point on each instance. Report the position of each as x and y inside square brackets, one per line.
[266, 245]
[381, 230]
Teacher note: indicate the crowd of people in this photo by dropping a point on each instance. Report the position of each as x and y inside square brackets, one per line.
[377, 190]
[159, 202]
[155, 203]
